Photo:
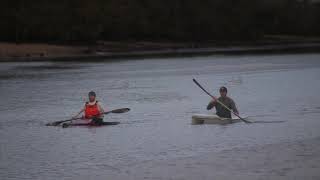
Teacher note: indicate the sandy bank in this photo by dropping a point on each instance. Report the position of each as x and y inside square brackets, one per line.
[38, 50]
[114, 50]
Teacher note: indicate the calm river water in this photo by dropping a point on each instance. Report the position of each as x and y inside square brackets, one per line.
[279, 92]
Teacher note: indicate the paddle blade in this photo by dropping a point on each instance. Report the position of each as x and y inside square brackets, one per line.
[56, 123]
[53, 123]
[123, 110]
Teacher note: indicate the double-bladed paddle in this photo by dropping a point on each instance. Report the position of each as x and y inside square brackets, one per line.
[117, 111]
[198, 84]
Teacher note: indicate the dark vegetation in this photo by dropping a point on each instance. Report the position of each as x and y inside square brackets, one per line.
[75, 21]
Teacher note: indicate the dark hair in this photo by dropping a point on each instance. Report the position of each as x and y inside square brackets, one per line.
[223, 89]
[91, 93]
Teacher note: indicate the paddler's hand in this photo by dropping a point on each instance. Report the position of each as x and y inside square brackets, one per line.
[214, 99]
[211, 104]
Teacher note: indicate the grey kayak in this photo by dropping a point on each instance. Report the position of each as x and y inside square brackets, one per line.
[212, 119]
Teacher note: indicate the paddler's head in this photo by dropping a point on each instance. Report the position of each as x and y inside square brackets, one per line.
[223, 91]
[92, 96]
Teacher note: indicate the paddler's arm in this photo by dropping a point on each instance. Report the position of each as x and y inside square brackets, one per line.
[234, 107]
[211, 104]
[101, 110]
[76, 116]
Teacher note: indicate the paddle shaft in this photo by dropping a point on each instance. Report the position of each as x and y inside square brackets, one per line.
[216, 99]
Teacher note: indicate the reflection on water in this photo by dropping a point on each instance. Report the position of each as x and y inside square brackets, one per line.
[279, 92]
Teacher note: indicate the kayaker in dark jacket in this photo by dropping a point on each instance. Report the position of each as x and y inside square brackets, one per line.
[220, 110]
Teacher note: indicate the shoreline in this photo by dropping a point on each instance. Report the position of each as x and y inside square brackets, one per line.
[45, 52]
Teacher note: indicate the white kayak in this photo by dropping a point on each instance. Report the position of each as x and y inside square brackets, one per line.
[213, 119]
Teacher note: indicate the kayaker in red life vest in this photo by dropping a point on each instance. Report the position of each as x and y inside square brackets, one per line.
[220, 110]
[93, 111]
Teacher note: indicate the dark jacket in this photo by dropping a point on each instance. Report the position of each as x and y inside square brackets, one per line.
[222, 111]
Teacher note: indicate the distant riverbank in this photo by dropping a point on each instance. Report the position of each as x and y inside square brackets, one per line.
[112, 50]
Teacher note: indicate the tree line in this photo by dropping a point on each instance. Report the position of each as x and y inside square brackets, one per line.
[68, 21]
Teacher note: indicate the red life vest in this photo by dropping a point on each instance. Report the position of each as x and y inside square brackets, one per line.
[91, 110]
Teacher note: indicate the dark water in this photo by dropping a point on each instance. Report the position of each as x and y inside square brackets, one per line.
[162, 98]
